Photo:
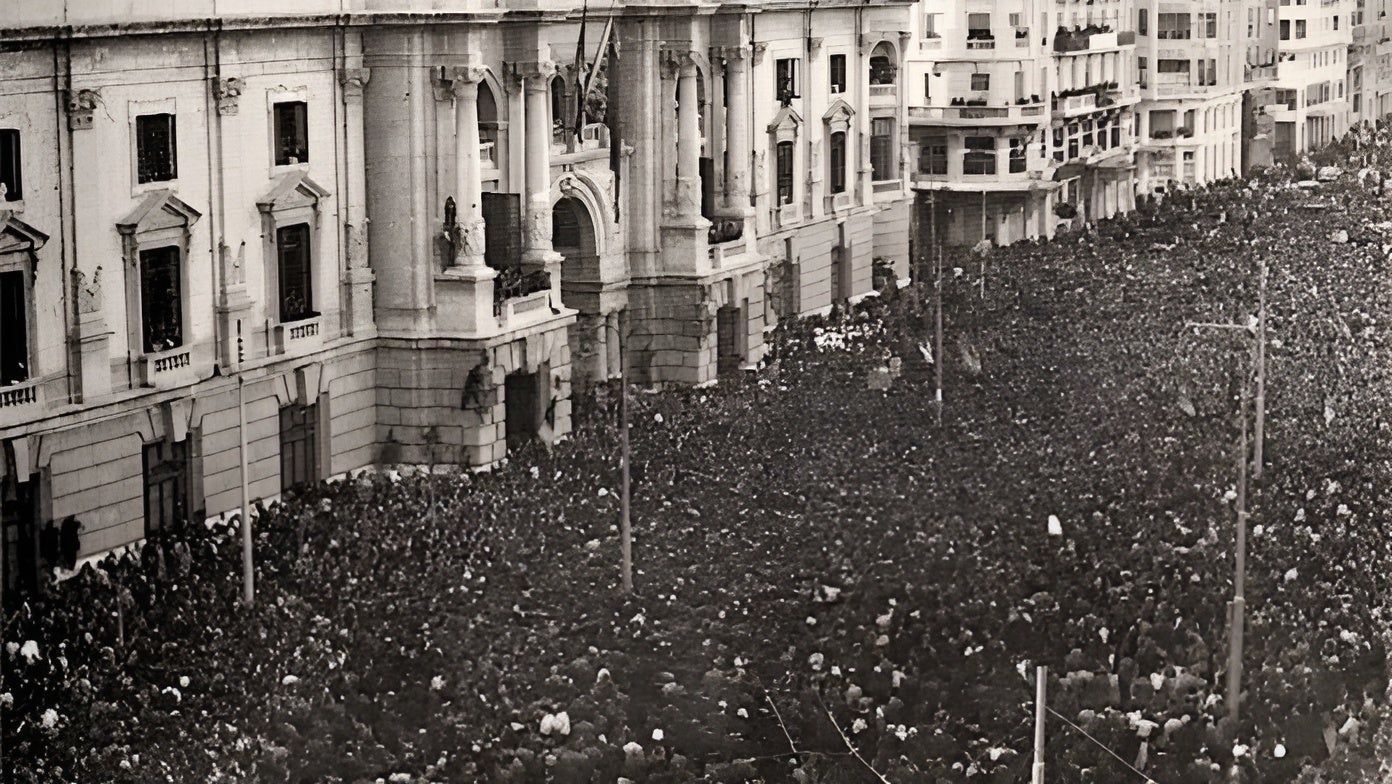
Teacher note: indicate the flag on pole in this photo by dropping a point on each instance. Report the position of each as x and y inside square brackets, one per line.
[581, 82]
[610, 52]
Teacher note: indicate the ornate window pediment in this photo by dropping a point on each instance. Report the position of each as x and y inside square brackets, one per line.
[291, 191]
[838, 116]
[784, 127]
[159, 211]
[16, 236]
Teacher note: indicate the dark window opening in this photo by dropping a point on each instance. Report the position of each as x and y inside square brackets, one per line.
[161, 299]
[881, 70]
[155, 148]
[522, 396]
[787, 86]
[882, 162]
[296, 280]
[838, 73]
[11, 179]
[166, 472]
[980, 155]
[933, 158]
[21, 545]
[838, 162]
[14, 329]
[1018, 149]
[291, 133]
[299, 446]
[785, 172]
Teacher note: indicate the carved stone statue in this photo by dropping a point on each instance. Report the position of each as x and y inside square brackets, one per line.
[89, 293]
[470, 240]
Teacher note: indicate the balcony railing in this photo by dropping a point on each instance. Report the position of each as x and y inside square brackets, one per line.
[164, 369]
[17, 395]
[1014, 112]
[486, 155]
[883, 90]
[298, 337]
[514, 283]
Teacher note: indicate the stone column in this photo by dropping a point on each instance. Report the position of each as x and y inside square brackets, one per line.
[360, 276]
[737, 130]
[468, 188]
[537, 80]
[688, 142]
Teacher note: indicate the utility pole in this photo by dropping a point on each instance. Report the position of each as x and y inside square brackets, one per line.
[1040, 677]
[248, 580]
[1260, 435]
[938, 334]
[625, 524]
[1239, 603]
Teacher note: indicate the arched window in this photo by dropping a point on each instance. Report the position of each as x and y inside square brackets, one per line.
[488, 125]
[882, 70]
[837, 159]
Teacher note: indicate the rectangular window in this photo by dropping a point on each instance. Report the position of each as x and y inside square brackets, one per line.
[156, 157]
[933, 157]
[785, 172]
[291, 133]
[11, 176]
[1208, 25]
[166, 473]
[787, 86]
[980, 82]
[930, 26]
[1172, 66]
[299, 446]
[1300, 28]
[980, 155]
[1285, 29]
[1143, 22]
[1336, 23]
[838, 74]
[296, 280]
[838, 162]
[161, 299]
[980, 24]
[1116, 136]
[14, 329]
[1018, 148]
[1172, 26]
[882, 160]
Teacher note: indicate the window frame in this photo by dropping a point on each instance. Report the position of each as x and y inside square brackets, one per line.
[785, 182]
[978, 156]
[298, 108]
[836, 73]
[12, 159]
[792, 92]
[837, 147]
[168, 250]
[884, 144]
[287, 315]
[984, 80]
[15, 264]
[299, 429]
[933, 153]
[174, 469]
[144, 173]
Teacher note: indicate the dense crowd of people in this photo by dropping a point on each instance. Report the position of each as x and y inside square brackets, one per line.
[827, 578]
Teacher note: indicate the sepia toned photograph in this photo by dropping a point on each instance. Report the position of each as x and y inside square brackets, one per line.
[695, 391]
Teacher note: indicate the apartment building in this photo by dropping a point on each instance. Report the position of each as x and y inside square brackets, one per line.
[1021, 116]
[1192, 65]
[1312, 103]
[375, 232]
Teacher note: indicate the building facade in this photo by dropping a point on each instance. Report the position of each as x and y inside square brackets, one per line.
[1021, 117]
[375, 233]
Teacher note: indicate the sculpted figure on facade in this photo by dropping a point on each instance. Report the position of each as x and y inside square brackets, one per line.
[89, 291]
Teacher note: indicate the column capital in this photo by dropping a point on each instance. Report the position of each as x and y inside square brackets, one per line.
[730, 53]
[535, 73]
[681, 62]
[226, 91]
[466, 74]
[757, 51]
[354, 80]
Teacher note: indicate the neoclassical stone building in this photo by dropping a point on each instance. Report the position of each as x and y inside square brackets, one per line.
[378, 231]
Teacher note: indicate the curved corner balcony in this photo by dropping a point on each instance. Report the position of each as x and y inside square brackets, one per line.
[978, 116]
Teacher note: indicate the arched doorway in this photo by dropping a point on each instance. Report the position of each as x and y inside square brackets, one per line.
[573, 236]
